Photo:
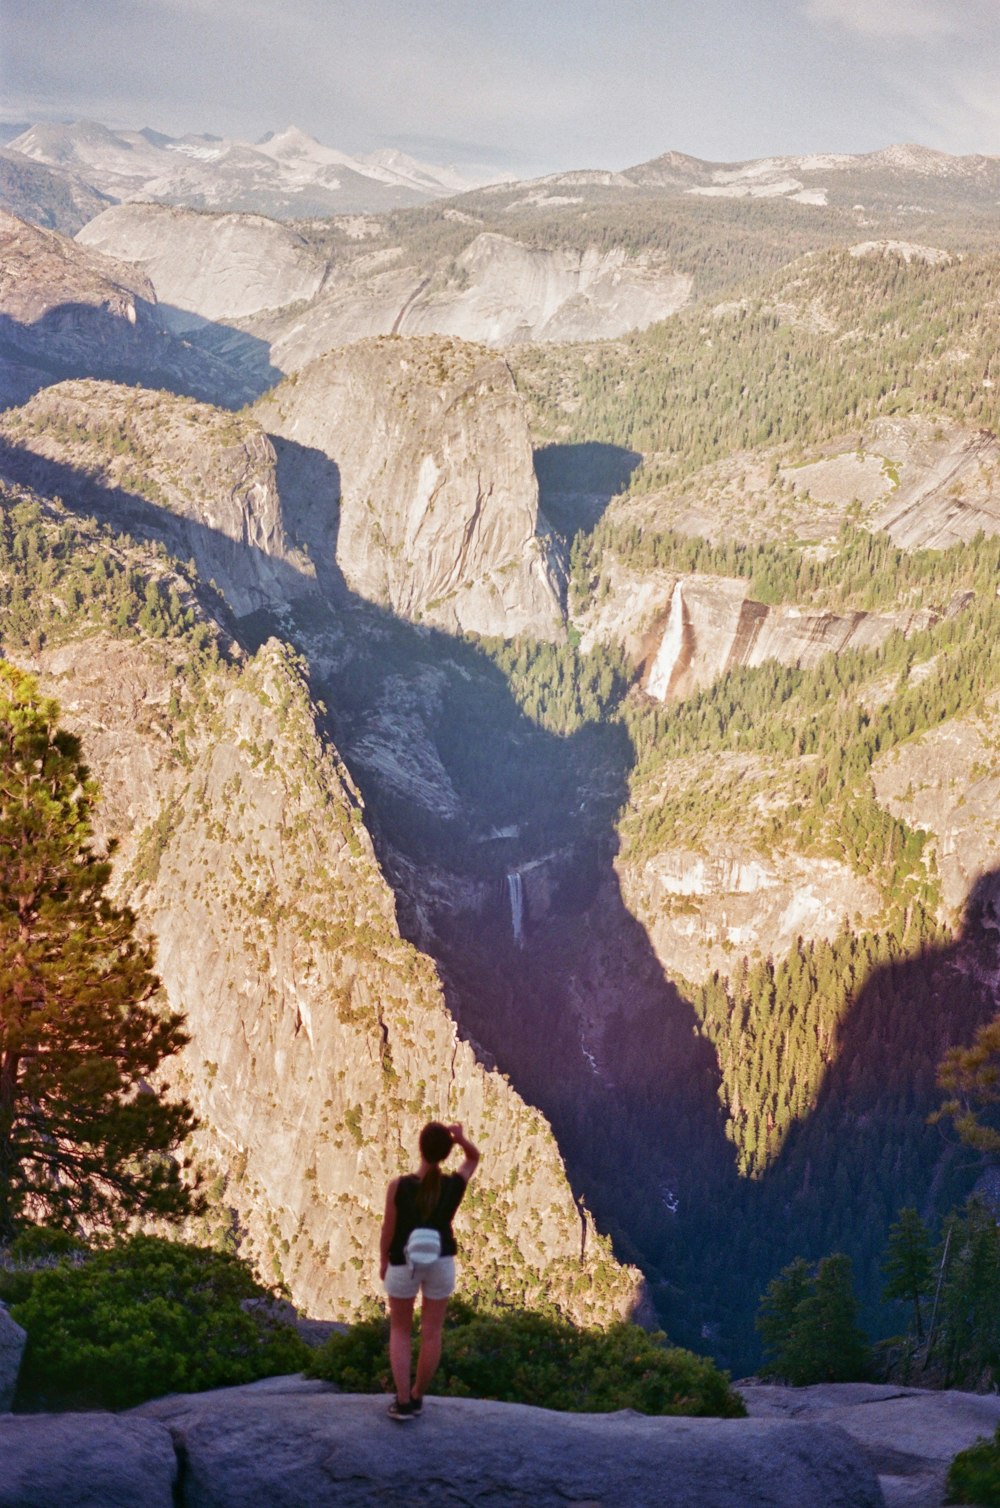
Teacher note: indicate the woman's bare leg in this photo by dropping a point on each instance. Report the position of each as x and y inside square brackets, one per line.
[400, 1328]
[431, 1323]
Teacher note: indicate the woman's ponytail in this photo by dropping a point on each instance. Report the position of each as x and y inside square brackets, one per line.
[427, 1194]
[435, 1144]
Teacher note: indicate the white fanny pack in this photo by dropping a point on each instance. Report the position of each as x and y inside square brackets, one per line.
[423, 1246]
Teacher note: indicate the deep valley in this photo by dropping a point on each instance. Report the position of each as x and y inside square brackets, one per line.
[539, 651]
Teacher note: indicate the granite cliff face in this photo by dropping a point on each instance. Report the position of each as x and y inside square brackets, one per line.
[705, 907]
[208, 267]
[320, 1040]
[713, 626]
[67, 311]
[947, 784]
[438, 502]
[497, 291]
[200, 481]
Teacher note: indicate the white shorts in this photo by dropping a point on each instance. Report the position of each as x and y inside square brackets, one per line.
[437, 1279]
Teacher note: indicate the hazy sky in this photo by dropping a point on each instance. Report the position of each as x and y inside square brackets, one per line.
[529, 85]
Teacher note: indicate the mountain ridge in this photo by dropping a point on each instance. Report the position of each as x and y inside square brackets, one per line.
[287, 173]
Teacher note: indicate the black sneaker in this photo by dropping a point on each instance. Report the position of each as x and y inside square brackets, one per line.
[416, 1406]
[401, 1411]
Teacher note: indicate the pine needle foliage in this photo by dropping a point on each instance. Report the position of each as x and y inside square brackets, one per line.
[809, 1325]
[83, 1135]
[909, 1265]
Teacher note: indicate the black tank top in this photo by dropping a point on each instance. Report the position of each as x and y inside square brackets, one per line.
[408, 1215]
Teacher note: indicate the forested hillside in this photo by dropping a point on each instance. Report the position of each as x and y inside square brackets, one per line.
[821, 348]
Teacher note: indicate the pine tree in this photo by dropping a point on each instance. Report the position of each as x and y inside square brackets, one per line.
[970, 1306]
[971, 1078]
[827, 1344]
[908, 1265]
[83, 1134]
[776, 1315]
[808, 1324]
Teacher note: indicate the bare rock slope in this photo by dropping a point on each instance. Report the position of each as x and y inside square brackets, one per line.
[201, 481]
[438, 508]
[908, 1435]
[66, 311]
[498, 292]
[208, 267]
[286, 1441]
[266, 276]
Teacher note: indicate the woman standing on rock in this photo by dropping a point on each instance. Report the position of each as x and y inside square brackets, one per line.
[417, 1252]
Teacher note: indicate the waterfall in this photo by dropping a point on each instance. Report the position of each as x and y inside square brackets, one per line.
[669, 653]
[515, 891]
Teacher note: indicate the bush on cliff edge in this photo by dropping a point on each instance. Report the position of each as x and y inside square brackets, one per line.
[146, 1317]
[518, 1356]
[974, 1475]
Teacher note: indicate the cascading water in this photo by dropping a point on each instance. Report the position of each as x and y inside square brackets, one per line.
[669, 653]
[515, 893]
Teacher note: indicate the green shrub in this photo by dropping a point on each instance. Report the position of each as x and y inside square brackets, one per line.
[147, 1317]
[518, 1356]
[974, 1475]
[36, 1243]
[34, 1248]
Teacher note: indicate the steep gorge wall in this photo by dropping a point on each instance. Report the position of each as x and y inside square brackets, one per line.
[67, 310]
[320, 1040]
[438, 501]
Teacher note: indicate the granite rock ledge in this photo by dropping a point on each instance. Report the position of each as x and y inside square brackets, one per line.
[286, 1442]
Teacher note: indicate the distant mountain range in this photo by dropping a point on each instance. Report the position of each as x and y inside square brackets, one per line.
[57, 174]
[287, 174]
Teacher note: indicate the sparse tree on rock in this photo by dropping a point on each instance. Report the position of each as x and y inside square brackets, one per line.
[83, 1135]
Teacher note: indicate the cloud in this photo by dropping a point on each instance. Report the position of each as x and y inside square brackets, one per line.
[898, 18]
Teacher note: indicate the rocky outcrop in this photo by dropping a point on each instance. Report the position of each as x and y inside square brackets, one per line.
[703, 909]
[209, 267]
[908, 1435]
[947, 783]
[438, 508]
[287, 1441]
[69, 311]
[12, 1339]
[712, 626]
[200, 481]
[89, 1460]
[310, 1445]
